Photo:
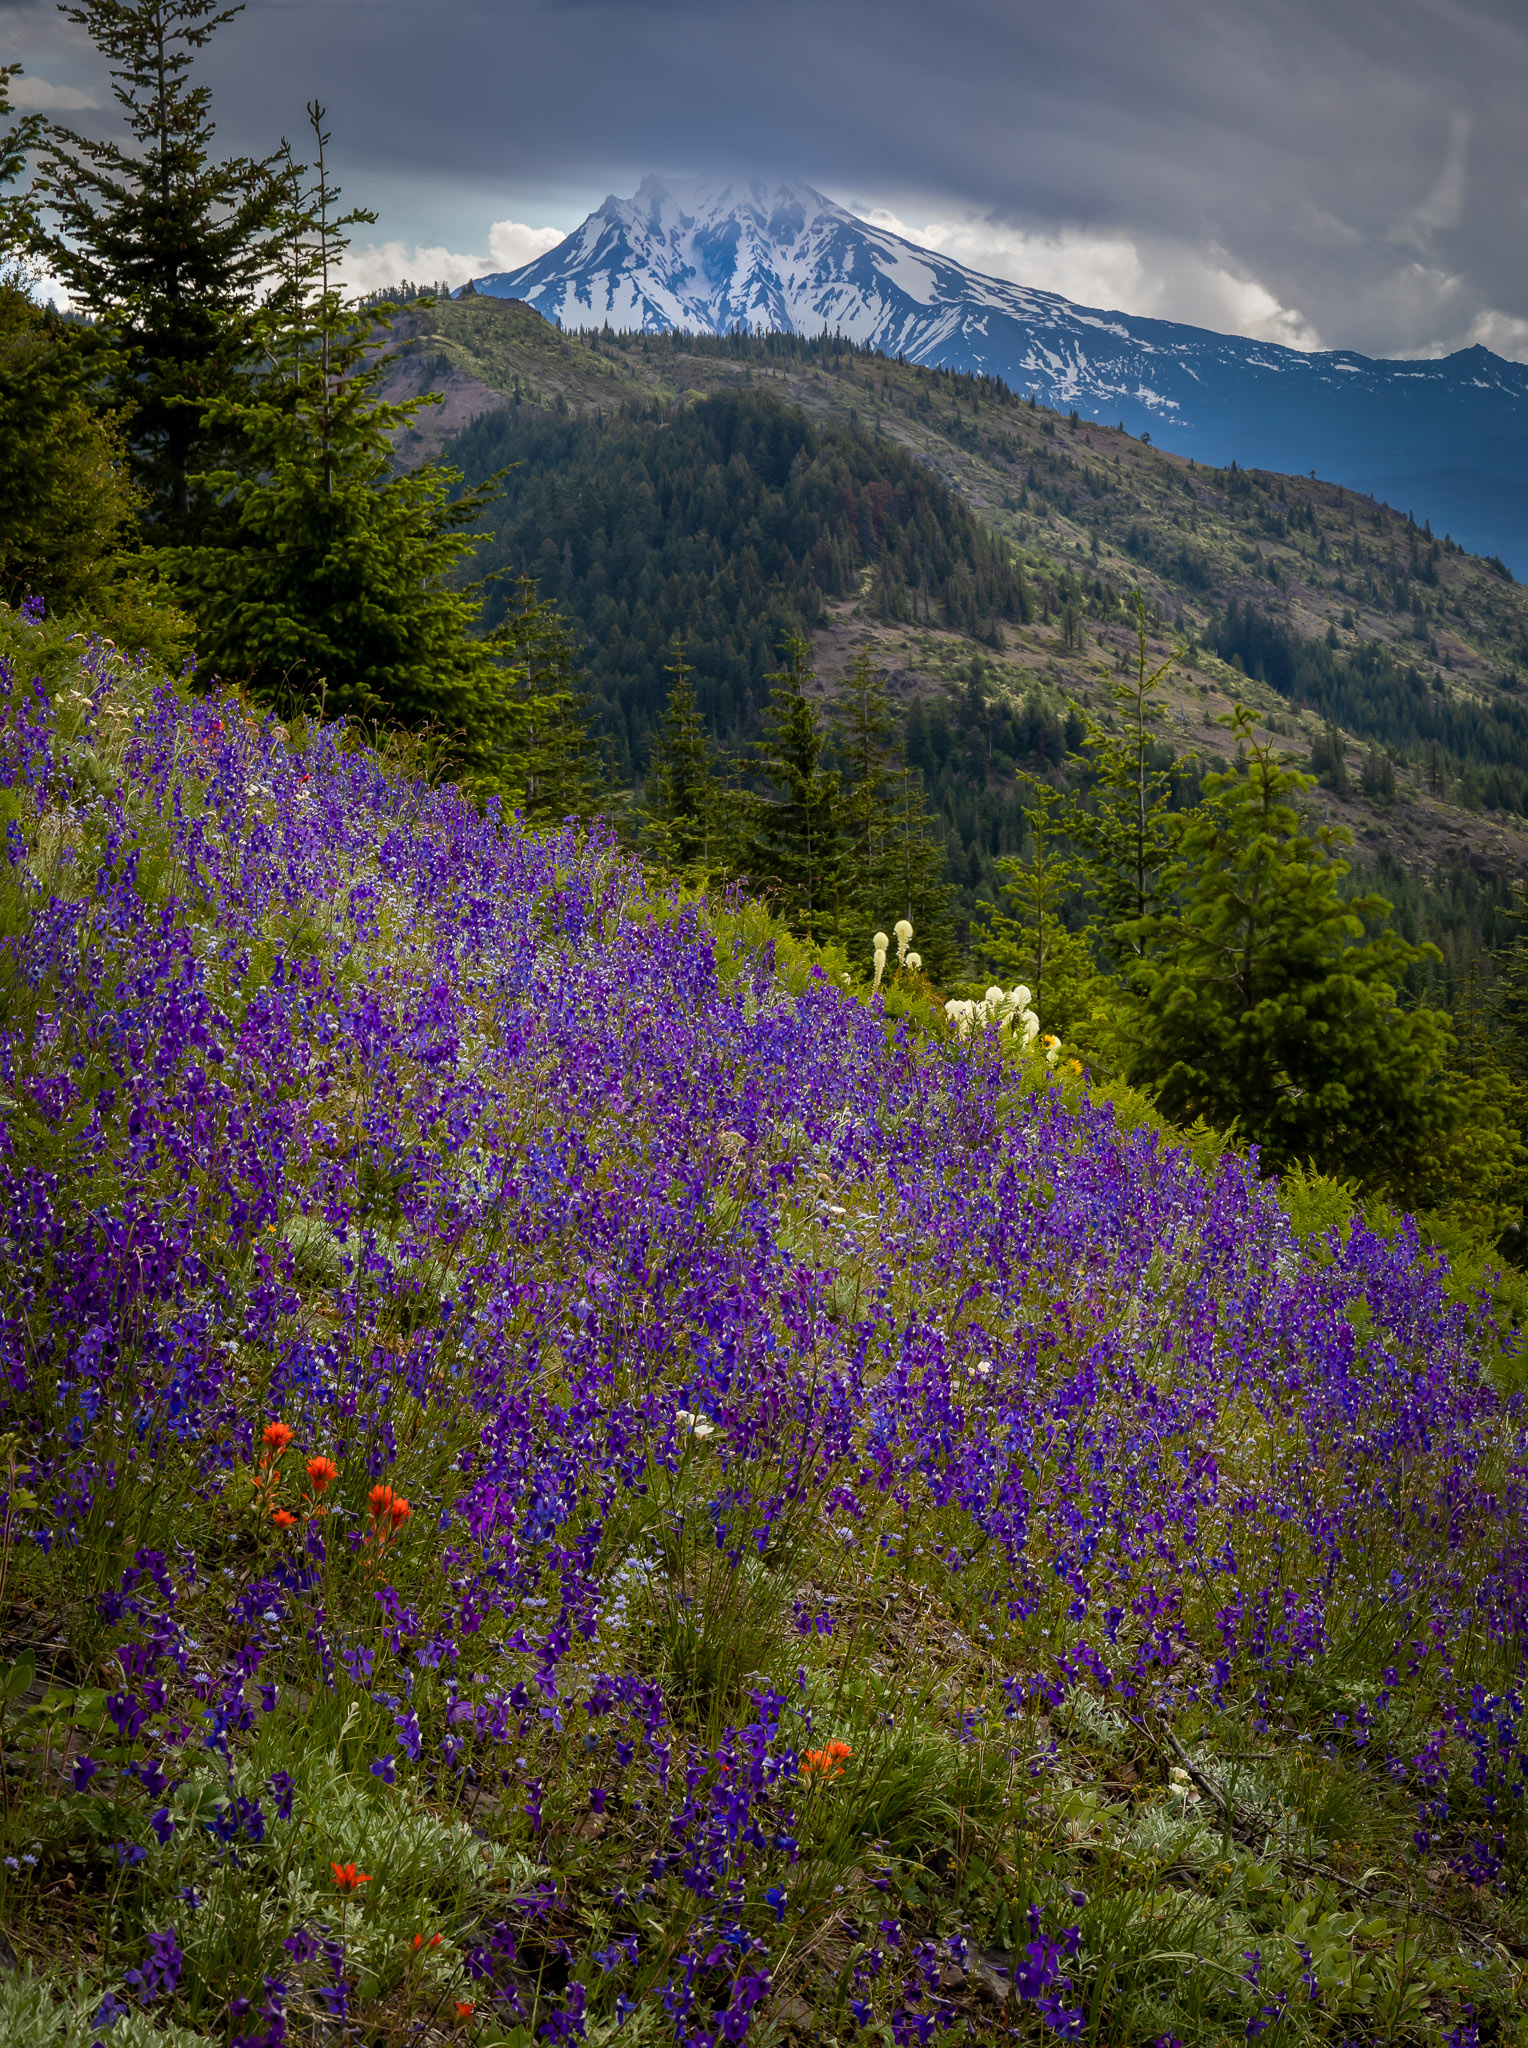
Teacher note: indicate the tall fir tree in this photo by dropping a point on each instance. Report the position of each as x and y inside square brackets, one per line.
[543, 759]
[894, 858]
[796, 847]
[1031, 941]
[165, 245]
[1261, 1002]
[1127, 839]
[68, 507]
[17, 209]
[332, 576]
[682, 816]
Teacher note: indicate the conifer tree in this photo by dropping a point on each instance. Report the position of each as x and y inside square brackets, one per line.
[541, 753]
[916, 882]
[1127, 840]
[331, 575]
[67, 504]
[17, 212]
[165, 245]
[1261, 1002]
[863, 734]
[1034, 944]
[681, 820]
[894, 860]
[796, 848]
[65, 499]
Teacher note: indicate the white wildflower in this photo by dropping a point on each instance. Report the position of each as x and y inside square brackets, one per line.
[914, 961]
[904, 932]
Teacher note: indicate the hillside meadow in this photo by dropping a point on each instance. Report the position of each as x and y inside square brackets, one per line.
[569, 1473]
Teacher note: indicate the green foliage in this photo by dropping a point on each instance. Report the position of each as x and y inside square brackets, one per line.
[795, 847]
[164, 245]
[1260, 1003]
[896, 861]
[330, 577]
[1035, 945]
[731, 523]
[1480, 751]
[16, 212]
[63, 480]
[681, 815]
[1128, 836]
[542, 760]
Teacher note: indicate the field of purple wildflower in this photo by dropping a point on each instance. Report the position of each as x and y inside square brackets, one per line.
[567, 1477]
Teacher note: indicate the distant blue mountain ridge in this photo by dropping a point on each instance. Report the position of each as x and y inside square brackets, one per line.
[1445, 439]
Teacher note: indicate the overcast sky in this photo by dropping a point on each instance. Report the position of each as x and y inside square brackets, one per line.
[1336, 173]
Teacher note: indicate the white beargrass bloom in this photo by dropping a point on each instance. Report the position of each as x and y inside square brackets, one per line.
[914, 961]
[1020, 997]
[880, 942]
[904, 932]
[993, 998]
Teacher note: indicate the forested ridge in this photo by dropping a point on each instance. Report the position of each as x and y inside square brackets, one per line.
[731, 523]
[1333, 616]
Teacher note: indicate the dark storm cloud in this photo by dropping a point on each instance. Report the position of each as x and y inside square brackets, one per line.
[1363, 162]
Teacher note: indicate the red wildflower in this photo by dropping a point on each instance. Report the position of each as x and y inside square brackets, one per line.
[282, 1518]
[433, 1942]
[380, 1500]
[347, 1878]
[276, 1436]
[464, 2011]
[323, 1472]
[826, 1763]
[400, 1511]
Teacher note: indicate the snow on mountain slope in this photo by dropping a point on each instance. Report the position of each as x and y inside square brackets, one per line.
[1446, 438]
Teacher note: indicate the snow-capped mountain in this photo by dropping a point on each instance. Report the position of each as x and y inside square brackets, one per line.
[1447, 438]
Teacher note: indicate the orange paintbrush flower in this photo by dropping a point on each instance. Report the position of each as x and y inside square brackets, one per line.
[825, 1763]
[379, 1501]
[347, 1878]
[282, 1518]
[399, 1511]
[276, 1436]
[322, 1472]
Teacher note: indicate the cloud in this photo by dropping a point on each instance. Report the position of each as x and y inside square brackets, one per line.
[36, 96]
[376, 266]
[1117, 272]
[513, 243]
[1348, 170]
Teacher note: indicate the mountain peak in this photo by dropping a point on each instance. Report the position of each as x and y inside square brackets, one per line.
[713, 255]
